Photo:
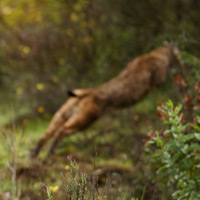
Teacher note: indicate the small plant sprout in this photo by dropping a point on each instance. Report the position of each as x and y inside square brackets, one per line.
[48, 192]
[68, 158]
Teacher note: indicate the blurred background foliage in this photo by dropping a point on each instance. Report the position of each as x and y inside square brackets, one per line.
[49, 46]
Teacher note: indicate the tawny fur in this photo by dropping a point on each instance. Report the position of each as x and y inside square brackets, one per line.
[84, 106]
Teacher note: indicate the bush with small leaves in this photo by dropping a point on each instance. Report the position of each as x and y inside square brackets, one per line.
[76, 185]
[175, 156]
[79, 186]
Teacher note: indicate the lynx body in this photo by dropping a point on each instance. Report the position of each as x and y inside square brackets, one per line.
[84, 106]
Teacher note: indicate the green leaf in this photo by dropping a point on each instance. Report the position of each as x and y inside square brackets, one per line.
[176, 157]
[193, 146]
[170, 104]
[162, 169]
[196, 127]
[197, 136]
[170, 145]
[159, 143]
[150, 142]
[167, 132]
[184, 149]
[187, 163]
[157, 154]
[187, 137]
[198, 119]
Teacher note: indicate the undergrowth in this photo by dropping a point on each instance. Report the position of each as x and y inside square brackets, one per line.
[79, 186]
[174, 155]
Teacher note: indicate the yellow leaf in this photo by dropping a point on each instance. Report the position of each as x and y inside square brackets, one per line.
[20, 154]
[6, 10]
[19, 91]
[69, 32]
[74, 17]
[67, 167]
[25, 122]
[40, 86]
[77, 7]
[25, 49]
[54, 188]
[40, 109]
[55, 79]
[136, 117]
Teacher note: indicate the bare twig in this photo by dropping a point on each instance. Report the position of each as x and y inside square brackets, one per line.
[12, 164]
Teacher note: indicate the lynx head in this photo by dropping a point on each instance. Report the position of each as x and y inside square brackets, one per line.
[175, 53]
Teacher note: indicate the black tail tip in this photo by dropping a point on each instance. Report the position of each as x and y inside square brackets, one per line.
[70, 93]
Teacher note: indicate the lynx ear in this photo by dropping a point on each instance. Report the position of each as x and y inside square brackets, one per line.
[176, 51]
[166, 43]
[169, 43]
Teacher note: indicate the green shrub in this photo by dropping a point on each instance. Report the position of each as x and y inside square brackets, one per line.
[175, 156]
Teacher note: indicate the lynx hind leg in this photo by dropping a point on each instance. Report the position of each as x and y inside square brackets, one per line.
[58, 138]
[40, 144]
[79, 121]
[55, 123]
[60, 117]
[70, 126]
